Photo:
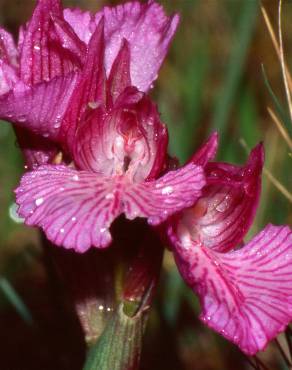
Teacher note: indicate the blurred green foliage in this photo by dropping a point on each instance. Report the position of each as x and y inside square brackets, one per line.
[211, 80]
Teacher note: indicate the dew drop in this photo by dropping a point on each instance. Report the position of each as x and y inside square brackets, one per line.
[37, 47]
[101, 307]
[62, 230]
[167, 190]
[109, 196]
[103, 229]
[75, 177]
[73, 219]
[39, 201]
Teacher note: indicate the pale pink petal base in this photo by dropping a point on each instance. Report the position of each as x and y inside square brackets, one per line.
[246, 295]
[76, 208]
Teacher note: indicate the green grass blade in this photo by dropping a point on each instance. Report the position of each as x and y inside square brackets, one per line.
[227, 95]
[15, 300]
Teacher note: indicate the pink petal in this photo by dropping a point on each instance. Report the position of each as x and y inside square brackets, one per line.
[130, 139]
[207, 151]
[145, 26]
[90, 89]
[69, 39]
[41, 107]
[148, 31]
[119, 77]
[224, 213]
[42, 55]
[82, 22]
[76, 208]
[8, 50]
[246, 295]
[8, 77]
[157, 200]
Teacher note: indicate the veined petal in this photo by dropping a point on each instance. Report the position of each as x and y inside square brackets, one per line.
[130, 139]
[207, 151]
[246, 295]
[41, 107]
[157, 200]
[8, 50]
[148, 31]
[42, 56]
[74, 208]
[90, 90]
[224, 213]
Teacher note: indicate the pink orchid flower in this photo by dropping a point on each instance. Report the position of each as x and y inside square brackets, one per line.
[85, 91]
[39, 75]
[244, 289]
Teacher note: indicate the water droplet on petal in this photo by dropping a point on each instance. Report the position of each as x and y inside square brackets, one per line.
[167, 190]
[39, 201]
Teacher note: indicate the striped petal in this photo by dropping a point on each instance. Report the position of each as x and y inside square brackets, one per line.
[246, 295]
[157, 200]
[42, 56]
[41, 107]
[224, 213]
[130, 139]
[90, 89]
[76, 208]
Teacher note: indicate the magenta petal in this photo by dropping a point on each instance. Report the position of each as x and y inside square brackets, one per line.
[148, 31]
[246, 295]
[36, 150]
[90, 89]
[42, 56]
[119, 77]
[41, 107]
[207, 151]
[157, 200]
[74, 208]
[224, 213]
